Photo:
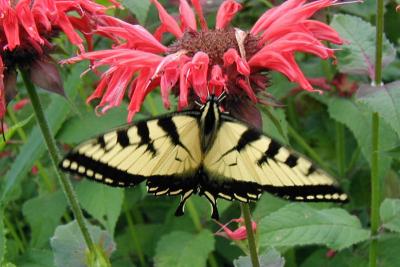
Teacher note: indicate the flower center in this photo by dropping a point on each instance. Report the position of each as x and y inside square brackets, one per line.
[214, 43]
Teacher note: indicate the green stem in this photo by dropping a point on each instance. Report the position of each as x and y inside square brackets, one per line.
[375, 191]
[340, 149]
[133, 232]
[314, 155]
[55, 159]
[13, 233]
[379, 41]
[250, 234]
[375, 183]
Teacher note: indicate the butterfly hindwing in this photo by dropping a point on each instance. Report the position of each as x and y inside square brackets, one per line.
[242, 162]
[164, 151]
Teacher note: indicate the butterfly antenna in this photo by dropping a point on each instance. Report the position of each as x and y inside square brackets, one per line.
[221, 97]
[198, 103]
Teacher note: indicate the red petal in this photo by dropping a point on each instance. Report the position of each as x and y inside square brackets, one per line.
[197, 6]
[11, 29]
[198, 74]
[25, 16]
[226, 12]
[188, 19]
[168, 21]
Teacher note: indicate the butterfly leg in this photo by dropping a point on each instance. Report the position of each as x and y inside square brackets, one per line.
[181, 208]
[213, 202]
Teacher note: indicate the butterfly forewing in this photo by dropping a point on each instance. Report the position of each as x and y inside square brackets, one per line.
[164, 151]
[243, 162]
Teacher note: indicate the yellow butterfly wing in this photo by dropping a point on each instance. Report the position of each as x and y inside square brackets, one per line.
[243, 162]
[163, 151]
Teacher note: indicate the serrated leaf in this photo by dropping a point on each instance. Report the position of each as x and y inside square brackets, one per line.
[357, 55]
[56, 113]
[298, 224]
[182, 249]
[358, 118]
[390, 214]
[69, 248]
[103, 202]
[271, 258]
[42, 224]
[385, 100]
[138, 7]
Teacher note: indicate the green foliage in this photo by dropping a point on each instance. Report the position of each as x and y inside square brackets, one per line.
[138, 7]
[385, 100]
[271, 258]
[69, 248]
[43, 224]
[299, 224]
[102, 202]
[184, 249]
[390, 214]
[145, 230]
[357, 55]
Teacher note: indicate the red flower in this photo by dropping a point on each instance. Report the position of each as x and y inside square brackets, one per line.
[21, 104]
[26, 29]
[203, 61]
[239, 234]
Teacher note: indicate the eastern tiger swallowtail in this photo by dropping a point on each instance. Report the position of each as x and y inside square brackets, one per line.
[200, 151]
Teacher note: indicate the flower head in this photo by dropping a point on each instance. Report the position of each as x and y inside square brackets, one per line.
[239, 234]
[205, 61]
[26, 30]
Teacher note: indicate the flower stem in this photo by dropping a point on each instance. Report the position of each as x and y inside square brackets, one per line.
[55, 158]
[250, 235]
[375, 186]
[375, 191]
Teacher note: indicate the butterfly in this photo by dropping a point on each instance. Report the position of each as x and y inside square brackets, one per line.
[204, 151]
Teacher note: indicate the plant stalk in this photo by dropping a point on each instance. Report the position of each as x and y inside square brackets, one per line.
[250, 235]
[375, 183]
[55, 159]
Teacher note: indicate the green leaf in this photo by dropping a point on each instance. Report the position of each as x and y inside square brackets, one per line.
[388, 251]
[10, 132]
[102, 202]
[357, 117]
[271, 258]
[267, 204]
[87, 125]
[183, 249]
[69, 248]
[357, 55]
[275, 124]
[42, 223]
[2, 237]
[299, 224]
[36, 258]
[138, 7]
[385, 100]
[345, 258]
[56, 113]
[390, 214]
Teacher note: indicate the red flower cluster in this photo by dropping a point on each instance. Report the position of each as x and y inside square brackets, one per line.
[203, 61]
[26, 29]
[238, 234]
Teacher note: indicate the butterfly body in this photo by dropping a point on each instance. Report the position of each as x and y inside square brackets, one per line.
[201, 151]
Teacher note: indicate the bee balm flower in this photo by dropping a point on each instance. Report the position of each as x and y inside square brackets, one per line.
[203, 61]
[26, 30]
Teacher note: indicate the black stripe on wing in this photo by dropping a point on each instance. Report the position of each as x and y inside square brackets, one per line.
[95, 170]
